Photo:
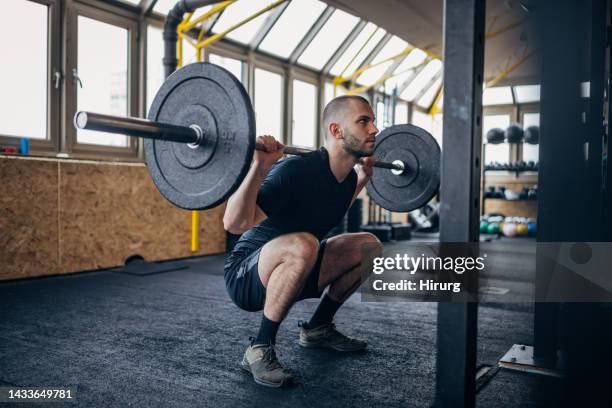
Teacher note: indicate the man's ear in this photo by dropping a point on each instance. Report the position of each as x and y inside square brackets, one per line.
[336, 130]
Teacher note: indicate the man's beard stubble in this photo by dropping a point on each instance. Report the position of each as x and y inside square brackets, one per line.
[352, 146]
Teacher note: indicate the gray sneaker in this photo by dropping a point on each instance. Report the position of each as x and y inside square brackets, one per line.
[327, 336]
[261, 361]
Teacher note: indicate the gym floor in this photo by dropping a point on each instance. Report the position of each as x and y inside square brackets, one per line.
[175, 339]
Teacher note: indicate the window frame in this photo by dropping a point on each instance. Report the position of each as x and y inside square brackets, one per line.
[299, 76]
[285, 96]
[50, 145]
[70, 144]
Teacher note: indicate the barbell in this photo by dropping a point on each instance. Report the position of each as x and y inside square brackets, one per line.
[200, 139]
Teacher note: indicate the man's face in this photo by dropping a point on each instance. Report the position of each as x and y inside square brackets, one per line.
[359, 130]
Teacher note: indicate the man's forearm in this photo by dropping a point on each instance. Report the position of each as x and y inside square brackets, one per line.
[242, 206]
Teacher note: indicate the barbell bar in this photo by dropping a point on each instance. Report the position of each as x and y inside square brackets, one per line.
[191, 135]
[200, 136]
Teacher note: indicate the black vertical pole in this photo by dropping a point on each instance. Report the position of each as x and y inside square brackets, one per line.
[460, 190]
[607, 173]
[560, 152]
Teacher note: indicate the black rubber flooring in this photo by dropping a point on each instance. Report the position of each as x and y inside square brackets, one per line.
[175, 339]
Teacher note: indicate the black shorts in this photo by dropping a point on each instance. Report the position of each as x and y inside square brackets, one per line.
[244, 285]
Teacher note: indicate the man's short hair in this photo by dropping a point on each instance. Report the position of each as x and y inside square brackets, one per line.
[336, 107]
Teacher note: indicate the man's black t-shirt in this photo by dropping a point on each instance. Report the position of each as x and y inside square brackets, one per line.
[300, 194]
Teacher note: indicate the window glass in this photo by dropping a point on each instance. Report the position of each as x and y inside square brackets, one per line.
[422, 120]
[238, 12]
[501, 95]
[304, 123]
[427, 99]
[401, 113]
[268, 103]
[381, 122]
[291, 27]
[164, 6]
[103, 71]
[392, 48]
[155, 66]
[527, 93]
[367, 38]
[406, 69]
[232, 65]
[422, 79]
[436, 128]
[531, 152]
[328, 39]
[23, 71]
[495, 152]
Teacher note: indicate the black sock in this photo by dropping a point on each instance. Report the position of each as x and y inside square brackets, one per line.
[267, 331]
[325, 312]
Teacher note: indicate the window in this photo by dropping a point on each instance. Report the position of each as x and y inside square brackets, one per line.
[392, 48]
[406, 69]
[531, 152]
[24, 74]
[239, 11]
[328, 39]
[436, 127]
[268, 103]
[164, 6]
[190, 54]
[501, 95]
[304, 126]
[423, 120]
[527, 93]
[381, 122]
[354, 55]
[291, 27]
[422, 79]
[427, 99]
[103, 72]
[499, 152]
[155, 66]
[232, 65]
[401, 113]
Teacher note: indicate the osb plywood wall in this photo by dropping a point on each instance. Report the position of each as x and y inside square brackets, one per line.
[59, 216]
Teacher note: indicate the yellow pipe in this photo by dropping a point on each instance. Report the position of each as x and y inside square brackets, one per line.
[492, 34]
[434, 107]
[195, 228]
[185, 21]
[220, 35]
[370, 66]
[384, 78]
[195, 215]
[217, 8]
[358, 51]
[509, 70]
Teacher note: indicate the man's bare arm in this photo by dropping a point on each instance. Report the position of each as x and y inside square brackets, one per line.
[242, 211]
[364, 172]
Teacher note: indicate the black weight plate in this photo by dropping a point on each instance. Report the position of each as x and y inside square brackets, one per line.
[419, 183]
[211, 97]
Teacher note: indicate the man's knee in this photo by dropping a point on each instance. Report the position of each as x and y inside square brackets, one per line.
[372, 241]
[365, 242]
[303, 248]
